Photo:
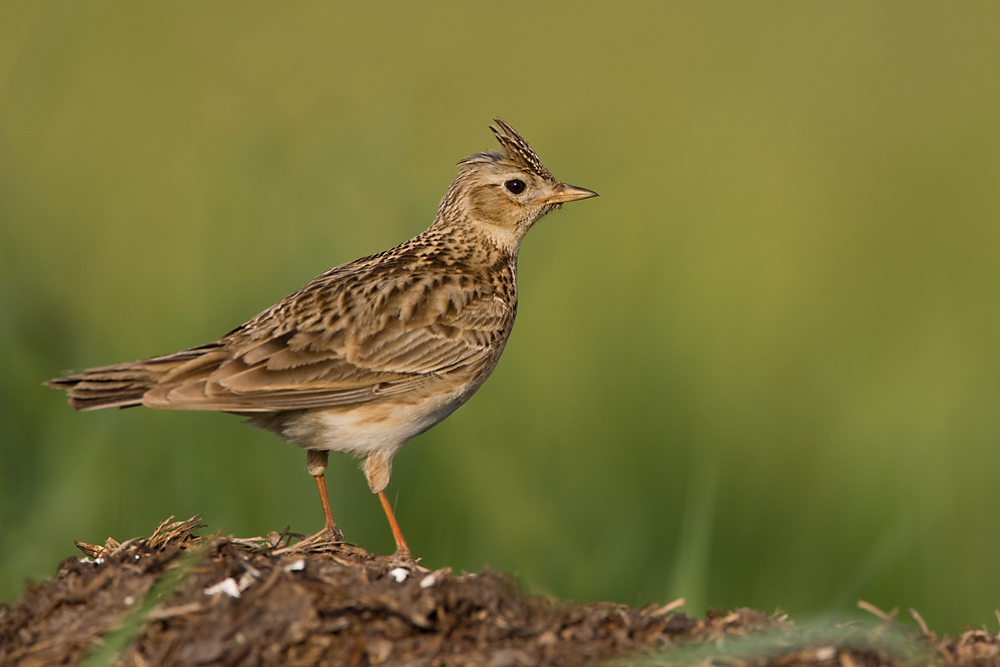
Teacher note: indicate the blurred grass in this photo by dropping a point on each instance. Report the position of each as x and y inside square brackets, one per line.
[760, 370]
[803, 640]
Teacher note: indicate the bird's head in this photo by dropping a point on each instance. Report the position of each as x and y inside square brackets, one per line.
[504, 193]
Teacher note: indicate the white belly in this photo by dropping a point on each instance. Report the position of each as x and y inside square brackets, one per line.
[378, 426]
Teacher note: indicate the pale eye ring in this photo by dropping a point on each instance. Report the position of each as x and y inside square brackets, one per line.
[515, 186]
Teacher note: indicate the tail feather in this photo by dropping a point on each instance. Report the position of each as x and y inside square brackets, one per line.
[124, 385]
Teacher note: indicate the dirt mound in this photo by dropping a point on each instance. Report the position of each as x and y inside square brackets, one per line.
[176, 599]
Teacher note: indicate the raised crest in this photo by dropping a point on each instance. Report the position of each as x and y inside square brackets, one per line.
[518, 150]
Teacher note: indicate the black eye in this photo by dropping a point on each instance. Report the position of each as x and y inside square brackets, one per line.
[515, 185]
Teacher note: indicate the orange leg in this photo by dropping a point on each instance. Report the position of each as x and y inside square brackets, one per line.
[331, 527]
[401, 547]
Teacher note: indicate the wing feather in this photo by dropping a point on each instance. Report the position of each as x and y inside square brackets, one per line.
[362, 331]
[313, 367]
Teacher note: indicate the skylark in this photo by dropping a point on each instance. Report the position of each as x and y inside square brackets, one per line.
[374, 352]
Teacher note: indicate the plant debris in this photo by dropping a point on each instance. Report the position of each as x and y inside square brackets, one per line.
[177, 599]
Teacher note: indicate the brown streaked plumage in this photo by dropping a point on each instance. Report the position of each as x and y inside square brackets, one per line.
[374, 352]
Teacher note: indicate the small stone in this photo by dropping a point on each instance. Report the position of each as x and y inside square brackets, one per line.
[227, 586]
[296, 566]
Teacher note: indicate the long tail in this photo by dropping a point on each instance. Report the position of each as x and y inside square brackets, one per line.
[124, 385]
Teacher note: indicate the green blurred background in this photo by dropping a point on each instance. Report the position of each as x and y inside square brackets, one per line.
[762, 369]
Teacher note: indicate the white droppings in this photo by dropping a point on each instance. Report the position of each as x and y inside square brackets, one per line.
[429, 580]
[826, 653]
[227, 586]
[296, 566]
[399, 574]
[246, 580]
[129, 600]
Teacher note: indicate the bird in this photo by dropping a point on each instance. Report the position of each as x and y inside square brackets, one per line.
[373, 352]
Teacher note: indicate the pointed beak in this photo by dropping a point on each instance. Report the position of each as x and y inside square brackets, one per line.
[564, 193]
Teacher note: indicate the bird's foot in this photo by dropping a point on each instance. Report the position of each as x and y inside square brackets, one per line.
[334, 533]
[405, 559]
[403, 556]
[329, 536]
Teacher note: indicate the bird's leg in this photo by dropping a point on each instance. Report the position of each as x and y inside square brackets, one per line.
[378, 468]
[316, 460]
[402, 549]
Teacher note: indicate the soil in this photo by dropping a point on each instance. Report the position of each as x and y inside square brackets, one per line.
[177, 599]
